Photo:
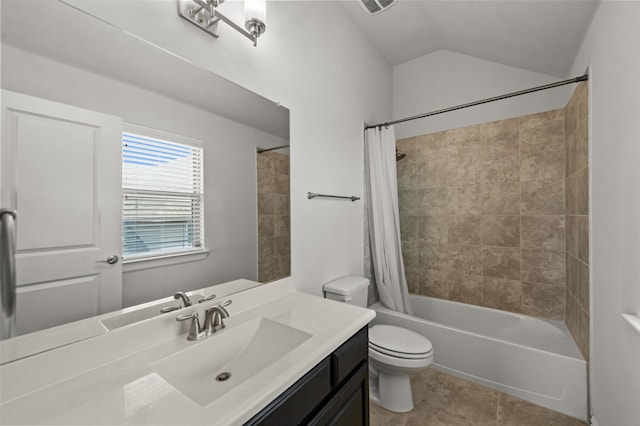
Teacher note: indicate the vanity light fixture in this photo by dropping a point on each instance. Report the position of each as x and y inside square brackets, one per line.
[206, 16]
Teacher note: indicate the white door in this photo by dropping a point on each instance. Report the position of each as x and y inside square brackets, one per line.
[61, 171]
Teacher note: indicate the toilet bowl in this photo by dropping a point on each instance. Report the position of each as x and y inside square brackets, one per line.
[394, 352]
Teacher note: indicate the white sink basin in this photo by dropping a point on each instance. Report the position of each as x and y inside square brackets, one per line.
[141, 314]
[241, 352]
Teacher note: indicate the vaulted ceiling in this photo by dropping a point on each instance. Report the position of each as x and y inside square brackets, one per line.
[539, 36]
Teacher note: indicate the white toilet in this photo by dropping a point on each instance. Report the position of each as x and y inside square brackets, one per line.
[394, 352]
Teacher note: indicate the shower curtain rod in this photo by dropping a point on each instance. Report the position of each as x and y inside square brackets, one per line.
[484, 101]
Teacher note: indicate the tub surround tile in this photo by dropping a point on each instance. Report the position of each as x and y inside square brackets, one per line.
[282, 226]
[545, 128]
[542, 197]
[432, 173]
[577, 210]
[434, 283]
[546, 232]
[543, 266]
[408, 146]
[501, 231]
[412, 274]
[543, 300]
[463, 200]
[583, 285]
[407, 176]
[578, 193]
[266, 203]
[500, 199]
[410, 253]
[282, 267]
[462, 169]
[282, 246]
[266, 180]
[464, 259]
[433, 201]
[501, 262]
[463, 229]
[582, 231]
[502, 294]
[572, 275]
[433, 145]
[282, 204]
[281, 163]
[577, 150]
[500, 168]
[542, 162]
[266, 226]
[582, 331]
[434, 257]
[408, 227]
[432, 229]
[500, 136]
[281, 183]
[571, 315]
[571, 239]
[408, 202]
[465, 288]
[464, 141]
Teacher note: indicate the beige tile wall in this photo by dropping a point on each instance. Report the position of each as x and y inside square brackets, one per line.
[483, 214]
[577, 219]
[274, 242]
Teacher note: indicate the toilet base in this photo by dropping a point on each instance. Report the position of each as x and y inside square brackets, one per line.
[390, 391]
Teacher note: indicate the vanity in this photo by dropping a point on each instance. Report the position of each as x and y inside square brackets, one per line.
[283, 357]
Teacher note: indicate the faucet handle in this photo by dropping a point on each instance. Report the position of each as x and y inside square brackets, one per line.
[195, 331]
[222, 307]
[205, 299]
[170, 309]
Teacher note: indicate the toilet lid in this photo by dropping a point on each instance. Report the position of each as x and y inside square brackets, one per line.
[390, 338]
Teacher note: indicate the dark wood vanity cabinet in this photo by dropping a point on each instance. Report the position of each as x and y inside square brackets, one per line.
[334, 392]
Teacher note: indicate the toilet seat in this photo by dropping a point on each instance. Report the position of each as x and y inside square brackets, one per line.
[399, 354]
[399, 342]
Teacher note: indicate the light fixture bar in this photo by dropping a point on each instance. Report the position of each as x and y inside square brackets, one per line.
[205, 15]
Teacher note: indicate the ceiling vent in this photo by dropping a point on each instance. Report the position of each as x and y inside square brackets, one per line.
[376, 6]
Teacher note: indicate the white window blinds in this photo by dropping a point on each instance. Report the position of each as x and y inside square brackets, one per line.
[162, 201]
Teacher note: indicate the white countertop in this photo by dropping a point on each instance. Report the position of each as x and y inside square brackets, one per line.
[110, 378]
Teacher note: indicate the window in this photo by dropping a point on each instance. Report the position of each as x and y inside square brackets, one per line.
[162, 197]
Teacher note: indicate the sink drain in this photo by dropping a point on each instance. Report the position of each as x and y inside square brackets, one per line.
[223, 376]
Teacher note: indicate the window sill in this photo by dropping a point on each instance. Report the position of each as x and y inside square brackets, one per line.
[633, 320]
[167, 260]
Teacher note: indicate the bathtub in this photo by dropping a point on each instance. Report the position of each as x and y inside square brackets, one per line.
[530, 358]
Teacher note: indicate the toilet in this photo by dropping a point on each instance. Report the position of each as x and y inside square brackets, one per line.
[394, 352]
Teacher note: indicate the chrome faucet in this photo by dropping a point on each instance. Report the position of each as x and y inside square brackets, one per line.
[195, 331]
[184, 297]
[214, 317]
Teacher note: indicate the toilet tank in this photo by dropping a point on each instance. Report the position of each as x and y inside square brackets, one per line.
[350, 289]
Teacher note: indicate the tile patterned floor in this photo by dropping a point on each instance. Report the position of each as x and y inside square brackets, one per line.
[444, 400]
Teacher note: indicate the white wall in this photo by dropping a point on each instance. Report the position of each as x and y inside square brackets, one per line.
[315, 62]
[444, 79]
[610, 50]
[229, 158]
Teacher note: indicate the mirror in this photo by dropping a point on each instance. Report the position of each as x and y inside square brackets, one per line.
[62, 54]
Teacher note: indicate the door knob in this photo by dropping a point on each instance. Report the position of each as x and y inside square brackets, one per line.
[110, 260]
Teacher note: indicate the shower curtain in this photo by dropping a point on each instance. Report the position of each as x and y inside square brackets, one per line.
[384, 218]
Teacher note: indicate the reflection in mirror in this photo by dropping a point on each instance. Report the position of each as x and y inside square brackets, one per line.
[84, 80]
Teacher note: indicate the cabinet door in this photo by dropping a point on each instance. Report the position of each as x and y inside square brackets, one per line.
[350, 406]
[61, 171]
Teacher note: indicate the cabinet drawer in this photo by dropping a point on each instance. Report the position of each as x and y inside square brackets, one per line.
[299, 400]
[349, 356]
